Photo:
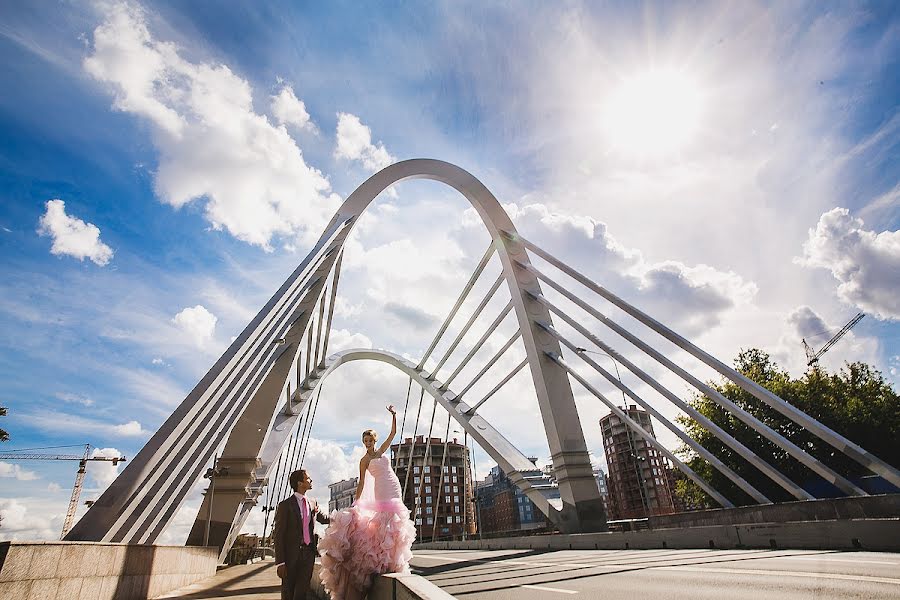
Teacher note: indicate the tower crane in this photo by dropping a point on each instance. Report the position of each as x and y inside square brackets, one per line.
[812, 357]
[79, 477]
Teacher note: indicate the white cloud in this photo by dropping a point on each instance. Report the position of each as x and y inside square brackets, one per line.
[158, 361]
[53, 488]
[290, 110]
[17, 472]
[53, 421]
[198, 323]
[103, 472]
[30, 519]
[72, 236]
[354, 142]
[867, 264]
[75, 398]
[212, 144]
[129, 429]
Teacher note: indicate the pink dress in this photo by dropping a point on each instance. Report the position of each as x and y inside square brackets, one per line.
[371, 537]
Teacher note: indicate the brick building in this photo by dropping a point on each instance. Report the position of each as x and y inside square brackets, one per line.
[638, 481]
[438, 487]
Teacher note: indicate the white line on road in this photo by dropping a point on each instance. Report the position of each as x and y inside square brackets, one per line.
[548, 589]
[784, 573]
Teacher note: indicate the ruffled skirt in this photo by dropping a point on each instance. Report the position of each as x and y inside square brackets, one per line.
[364, 540]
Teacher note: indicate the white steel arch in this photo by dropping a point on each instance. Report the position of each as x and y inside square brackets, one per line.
[242, 389]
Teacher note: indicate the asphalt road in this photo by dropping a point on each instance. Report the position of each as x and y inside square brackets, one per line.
[669, 574]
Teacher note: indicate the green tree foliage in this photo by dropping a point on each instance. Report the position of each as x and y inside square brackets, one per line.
[856, 402]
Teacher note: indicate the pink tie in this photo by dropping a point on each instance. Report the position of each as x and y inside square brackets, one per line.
[304, 511]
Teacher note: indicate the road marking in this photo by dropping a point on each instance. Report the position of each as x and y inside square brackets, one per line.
[785, 573]
[846, 560]
[548, 589]
[527, 563]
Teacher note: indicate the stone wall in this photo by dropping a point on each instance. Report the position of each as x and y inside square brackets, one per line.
[98, 571]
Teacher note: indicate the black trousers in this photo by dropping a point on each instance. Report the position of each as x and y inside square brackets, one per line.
[295, 584]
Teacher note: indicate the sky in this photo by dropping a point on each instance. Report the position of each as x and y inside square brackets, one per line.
[731, 168]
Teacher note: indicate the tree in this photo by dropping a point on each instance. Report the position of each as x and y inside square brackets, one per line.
[856, 402]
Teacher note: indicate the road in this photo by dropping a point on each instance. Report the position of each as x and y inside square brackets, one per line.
[669, 574]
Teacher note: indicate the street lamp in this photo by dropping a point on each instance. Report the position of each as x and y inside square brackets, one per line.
[580, 350]
[212, 473]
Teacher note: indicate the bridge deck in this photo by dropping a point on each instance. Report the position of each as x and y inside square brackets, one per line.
[243, 582]
[615, 574]
[669, 574]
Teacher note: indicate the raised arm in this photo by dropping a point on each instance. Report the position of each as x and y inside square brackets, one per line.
[387, 442]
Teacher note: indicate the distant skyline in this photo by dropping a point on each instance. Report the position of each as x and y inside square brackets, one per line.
[731, 168]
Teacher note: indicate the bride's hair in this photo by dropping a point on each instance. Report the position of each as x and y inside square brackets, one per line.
[370, 432]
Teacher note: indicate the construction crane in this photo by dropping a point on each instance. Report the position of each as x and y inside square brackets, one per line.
[812, 357]
[79, 477]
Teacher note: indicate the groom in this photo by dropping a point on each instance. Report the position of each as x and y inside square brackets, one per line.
[295, 541]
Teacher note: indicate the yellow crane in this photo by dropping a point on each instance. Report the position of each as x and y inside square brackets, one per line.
[27, 454]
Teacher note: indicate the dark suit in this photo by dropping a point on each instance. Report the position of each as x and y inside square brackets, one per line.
[298, 558]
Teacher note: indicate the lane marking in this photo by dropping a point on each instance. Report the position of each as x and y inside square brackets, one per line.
[548, 589]
[805, 574]
[846, 560]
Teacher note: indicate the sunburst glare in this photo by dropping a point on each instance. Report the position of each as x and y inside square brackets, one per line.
[653, 114]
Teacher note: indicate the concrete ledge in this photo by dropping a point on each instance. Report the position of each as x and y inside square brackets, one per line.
[393, 586]
[97, 571]
[860, 534]
[882, 506]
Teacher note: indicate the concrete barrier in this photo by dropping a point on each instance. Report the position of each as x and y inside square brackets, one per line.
[853, 534]
[97, 571]
[393, 586]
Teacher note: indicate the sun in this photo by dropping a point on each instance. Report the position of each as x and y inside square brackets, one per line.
[653, 114]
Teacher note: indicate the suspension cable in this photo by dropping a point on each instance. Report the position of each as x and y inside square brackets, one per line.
[441, 483]
[309, 433]
[403, 424]
[425, 465]
[462, 297]
[462, 332]
[412, 446]
[334, 287]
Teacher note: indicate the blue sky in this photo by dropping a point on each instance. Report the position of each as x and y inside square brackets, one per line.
[198, 150]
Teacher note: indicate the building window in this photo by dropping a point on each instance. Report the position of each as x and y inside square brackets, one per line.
[458, 519]
[427, 488]
[430, 521]
[427, 469]
[417, 480]
[418, 520]
[446, 488]
[428, 511]
[446, 469]
[416, 469]
[427, 479]
[456, 508]
[428, 500]
[418, 500]
[455, 479]
[455, 489]
[447, 499]
[456, 499]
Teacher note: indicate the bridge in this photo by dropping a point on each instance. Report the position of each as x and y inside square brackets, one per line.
[256, 403]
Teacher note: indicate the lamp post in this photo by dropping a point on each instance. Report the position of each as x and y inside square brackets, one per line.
[211, 474]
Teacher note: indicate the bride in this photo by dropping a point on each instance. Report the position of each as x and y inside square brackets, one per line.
[374, 535]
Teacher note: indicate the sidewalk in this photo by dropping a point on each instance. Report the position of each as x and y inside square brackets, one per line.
[242, 582]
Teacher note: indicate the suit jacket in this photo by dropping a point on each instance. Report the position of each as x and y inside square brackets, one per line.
[289, 528]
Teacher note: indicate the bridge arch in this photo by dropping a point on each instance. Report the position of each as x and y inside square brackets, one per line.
[242, 390]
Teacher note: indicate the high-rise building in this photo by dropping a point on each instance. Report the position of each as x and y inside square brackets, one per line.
[504, 507]
[342, 494]
[603, 485]
[638, 481]
[437, 487]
